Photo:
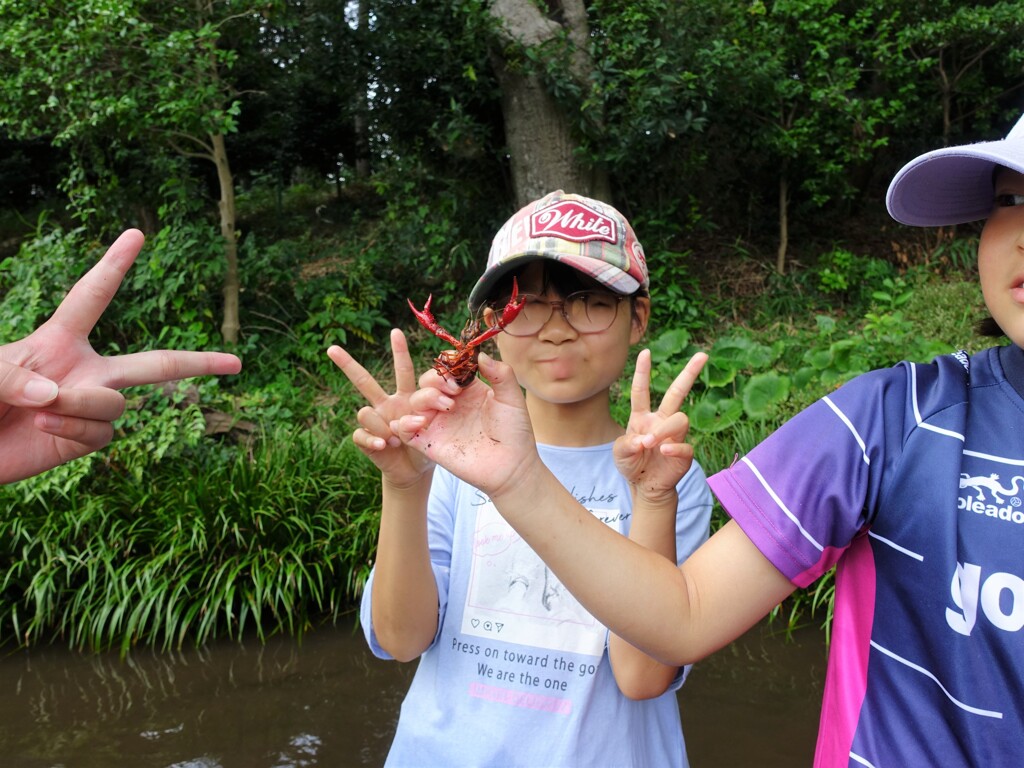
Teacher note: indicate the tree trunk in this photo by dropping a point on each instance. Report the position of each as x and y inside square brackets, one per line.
[230, 325]
[362, 159]
[541, 145]
[946, 91]
[780, 257]
[538, 131]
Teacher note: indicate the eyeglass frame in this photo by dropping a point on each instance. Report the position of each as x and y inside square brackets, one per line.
[618, 297]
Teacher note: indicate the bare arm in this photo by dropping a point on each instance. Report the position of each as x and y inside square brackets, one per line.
[675, 614]
[404, 600]
[638, 675]
[653, 456]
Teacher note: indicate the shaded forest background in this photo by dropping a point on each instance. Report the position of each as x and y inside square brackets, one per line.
[301, 167]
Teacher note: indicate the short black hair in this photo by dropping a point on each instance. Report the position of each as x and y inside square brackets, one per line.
[560, 278]
[989, 327]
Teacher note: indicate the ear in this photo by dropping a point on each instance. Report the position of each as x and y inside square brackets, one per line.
[641, 315]
[488, 316]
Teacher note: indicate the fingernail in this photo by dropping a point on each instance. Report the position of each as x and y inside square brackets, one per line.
[48, 421]
[445, 402]
[40, 390]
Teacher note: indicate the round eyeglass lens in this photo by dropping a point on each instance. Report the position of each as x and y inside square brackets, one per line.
[585, 311]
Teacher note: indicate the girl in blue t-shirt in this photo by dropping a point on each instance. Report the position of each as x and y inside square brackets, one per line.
[910, 481]
[512, 670]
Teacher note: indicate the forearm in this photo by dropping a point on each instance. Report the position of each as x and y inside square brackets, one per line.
[599, 566]
[653, 526]
[675, 614]
[404, 600]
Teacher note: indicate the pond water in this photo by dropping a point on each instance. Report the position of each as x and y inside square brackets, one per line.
[327, 702]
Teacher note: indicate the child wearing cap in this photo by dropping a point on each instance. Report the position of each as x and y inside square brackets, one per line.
[513, 671]
[909, 480]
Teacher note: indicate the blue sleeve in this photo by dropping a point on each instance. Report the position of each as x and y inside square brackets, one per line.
[806, 491]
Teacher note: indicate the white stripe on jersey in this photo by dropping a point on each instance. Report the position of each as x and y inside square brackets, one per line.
[926, 673]
[775, 497]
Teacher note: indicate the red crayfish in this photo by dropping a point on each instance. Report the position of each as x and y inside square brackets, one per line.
[460, 363]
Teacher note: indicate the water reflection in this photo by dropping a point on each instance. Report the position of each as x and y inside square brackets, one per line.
[328, 702]
[324, 702]
[755, 703]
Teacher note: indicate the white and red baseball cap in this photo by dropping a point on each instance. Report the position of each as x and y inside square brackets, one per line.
[584, 233]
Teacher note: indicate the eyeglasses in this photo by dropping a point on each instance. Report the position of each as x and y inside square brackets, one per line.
[584, 311]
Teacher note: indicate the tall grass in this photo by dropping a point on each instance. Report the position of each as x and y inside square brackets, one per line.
[276, 537]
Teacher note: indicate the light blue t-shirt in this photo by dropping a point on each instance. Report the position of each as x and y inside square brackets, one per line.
[518, 674]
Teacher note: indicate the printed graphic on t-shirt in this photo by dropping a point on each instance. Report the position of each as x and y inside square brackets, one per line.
[515, 598]
[991, 496]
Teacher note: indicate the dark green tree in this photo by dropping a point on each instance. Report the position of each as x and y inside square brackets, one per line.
[143, 73]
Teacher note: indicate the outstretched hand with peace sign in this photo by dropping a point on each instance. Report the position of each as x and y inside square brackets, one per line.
[653, 455]
[58, 396]
[400, 465]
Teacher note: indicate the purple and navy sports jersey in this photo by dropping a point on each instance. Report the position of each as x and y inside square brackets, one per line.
[911, 481]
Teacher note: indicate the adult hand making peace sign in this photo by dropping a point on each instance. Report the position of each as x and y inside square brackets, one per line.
[58, 397]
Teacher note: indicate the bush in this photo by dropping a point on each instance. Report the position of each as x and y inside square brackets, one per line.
[277, 536]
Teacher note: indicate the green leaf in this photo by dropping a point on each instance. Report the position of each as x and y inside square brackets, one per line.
[669, 345]
[714, 416]
[716, 374]
[742, 353]
[762, 392]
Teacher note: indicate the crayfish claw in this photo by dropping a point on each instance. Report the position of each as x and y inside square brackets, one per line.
[426, 319]
[514, 306]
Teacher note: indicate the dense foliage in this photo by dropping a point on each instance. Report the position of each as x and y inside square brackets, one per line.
[355, 155]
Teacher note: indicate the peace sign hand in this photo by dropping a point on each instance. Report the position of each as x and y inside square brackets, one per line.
[58, 397]
[653, 455]
[401, 465]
